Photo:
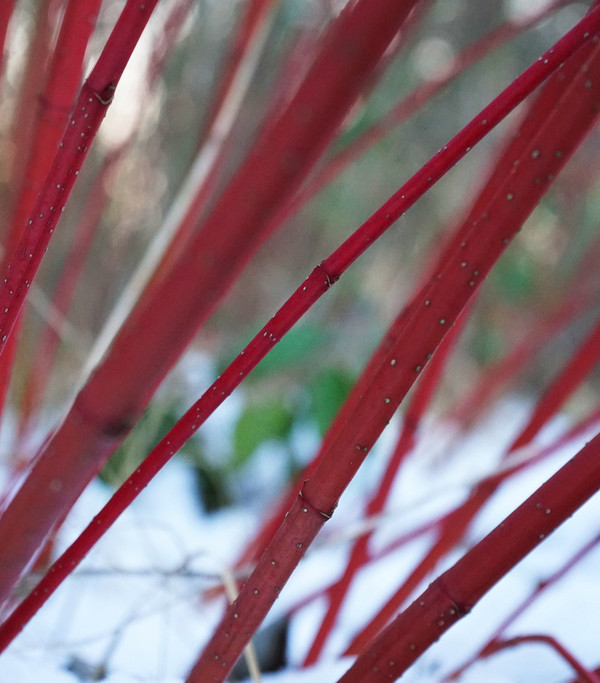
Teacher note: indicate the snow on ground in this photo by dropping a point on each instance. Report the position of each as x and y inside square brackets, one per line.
[133, 611]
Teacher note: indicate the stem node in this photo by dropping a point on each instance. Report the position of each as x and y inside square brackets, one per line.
[106, 96]
[308, 505]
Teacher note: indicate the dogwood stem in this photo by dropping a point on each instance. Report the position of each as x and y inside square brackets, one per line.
[456, 592]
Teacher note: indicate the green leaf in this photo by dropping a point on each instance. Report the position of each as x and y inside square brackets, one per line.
[514, 275]
[212, 487]
[328, 391]
[156, 421]
[487, 344]
[259, 423]
[297, 345]
[361, 121]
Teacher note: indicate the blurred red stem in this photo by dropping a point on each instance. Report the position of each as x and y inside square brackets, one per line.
[89, 110]
[411, 104]
[423, 393]
[585, 675]
[318, 282]
[453, 594]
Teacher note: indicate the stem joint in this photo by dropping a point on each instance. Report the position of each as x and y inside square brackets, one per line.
[329, 278]
[308, 505]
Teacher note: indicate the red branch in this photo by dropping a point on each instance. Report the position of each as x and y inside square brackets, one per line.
[457, 591]
[311, 510]
[549, 132]
[90, 108]
[542, 586]
[55, 104]
[359, 554]
[585, 675]
[6, 10]
[66, 287]
[27, 106]
[123, 382]
[412, 103]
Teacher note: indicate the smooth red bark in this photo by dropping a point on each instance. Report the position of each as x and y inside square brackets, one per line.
[359, 554]
[317, 283]
[93, 100]
[550, 133]
[454, 594]
[120, 387]
[54, 106]
[497, 216]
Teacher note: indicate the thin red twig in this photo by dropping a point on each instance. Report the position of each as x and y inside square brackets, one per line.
[89, 110]
[314, 286]
[585, 675]
[455, 592]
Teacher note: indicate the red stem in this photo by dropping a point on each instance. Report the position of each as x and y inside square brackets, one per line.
[254, 16]
[315, 285]
[490, 646]
[50, 339]
[584, 674]
[55, 103]
[457, 591]
[589, 424]
[455, 524]
[28, 105]
[171, 29]
[123, 382]
[89, 110]
[217, 138]
[359, 554]
[6, 10]
[576, 370]
[581, 294]
[411, 104]
[81, 243]
[53, 107]
[548, 131]
[501, 373]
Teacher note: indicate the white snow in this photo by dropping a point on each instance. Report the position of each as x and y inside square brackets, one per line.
[136, 604]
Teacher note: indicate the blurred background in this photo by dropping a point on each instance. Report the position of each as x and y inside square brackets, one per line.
[165, 116]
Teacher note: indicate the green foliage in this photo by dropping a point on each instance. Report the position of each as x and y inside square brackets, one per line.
[159, 418]
[211, 485]
[514, 276]
[328, 391]
[156, 421]
[260, 422]
[297, 347]
[487, 344]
